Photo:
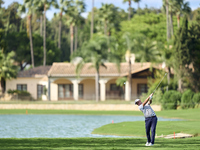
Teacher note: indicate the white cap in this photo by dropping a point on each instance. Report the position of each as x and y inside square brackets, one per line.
[137, 100]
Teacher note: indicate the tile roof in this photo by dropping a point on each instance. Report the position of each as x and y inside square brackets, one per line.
[34, 72]
[69, 69]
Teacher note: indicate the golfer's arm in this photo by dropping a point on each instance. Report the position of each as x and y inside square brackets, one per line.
[150, 101]
[144, 103]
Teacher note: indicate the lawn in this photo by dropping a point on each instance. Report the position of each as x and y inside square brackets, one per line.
[97, 143]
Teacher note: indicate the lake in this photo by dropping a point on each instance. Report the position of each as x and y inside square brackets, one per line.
[59, 126]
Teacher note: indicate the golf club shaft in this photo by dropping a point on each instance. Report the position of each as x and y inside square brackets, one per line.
[159, 83]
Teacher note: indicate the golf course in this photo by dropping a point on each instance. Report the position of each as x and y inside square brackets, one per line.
[133, 133]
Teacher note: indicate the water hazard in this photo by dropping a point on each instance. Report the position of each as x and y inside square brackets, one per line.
[58, 126]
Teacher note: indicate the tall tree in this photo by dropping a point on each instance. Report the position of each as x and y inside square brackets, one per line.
[194, 46]
[183, 8]
[94, 51]
[46, 4]
[181, 53]
[129, 9]
[73, 13]
[137, 1]
[8, 69]
[92, 20]
[107, 16]
[63, 7]
[29, 7]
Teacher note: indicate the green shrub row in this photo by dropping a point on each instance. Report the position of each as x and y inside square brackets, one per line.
[188, 99]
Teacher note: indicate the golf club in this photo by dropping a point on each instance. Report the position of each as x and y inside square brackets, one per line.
[160, 82]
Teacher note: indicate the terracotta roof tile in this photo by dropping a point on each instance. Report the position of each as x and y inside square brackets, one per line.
[34, 72]
[69, 69]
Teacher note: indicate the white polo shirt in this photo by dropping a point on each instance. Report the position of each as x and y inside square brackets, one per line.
[147, 110]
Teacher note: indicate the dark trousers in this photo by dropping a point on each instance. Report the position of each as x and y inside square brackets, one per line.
[150, 123]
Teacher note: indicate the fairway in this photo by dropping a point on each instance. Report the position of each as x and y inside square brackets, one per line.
[98, 143]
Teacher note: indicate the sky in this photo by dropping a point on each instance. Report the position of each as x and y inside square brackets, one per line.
[194, 4]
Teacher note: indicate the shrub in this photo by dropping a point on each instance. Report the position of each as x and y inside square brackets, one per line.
[186, 100]
[21, 94]
[196, 99]
[170, 99]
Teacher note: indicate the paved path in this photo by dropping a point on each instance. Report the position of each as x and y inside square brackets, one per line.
[124, 107]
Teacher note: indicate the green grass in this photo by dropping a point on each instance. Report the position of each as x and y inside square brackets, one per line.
[137, 128]
[188, 114]
[97, 143]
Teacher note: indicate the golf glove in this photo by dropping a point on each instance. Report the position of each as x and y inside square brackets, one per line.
[151, 97]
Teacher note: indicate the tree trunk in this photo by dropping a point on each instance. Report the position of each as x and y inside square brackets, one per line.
[105, 27]
[167, 21]
[97, 85]
[76, 38]
[44, 37]
[3, 85]
[31, 41]
[171, 24]
[59, 32]
[129, 12]
[179, 85]
[72, 38]
[41, 34]
[129, 79]
[178, 21]
[168, 75]
[92, 20]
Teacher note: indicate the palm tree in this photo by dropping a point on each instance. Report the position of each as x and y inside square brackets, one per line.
[129, 3]
[95, 51]
[92, 20]
[181, 7]
[129, 48]
[46, 4]
[73, 12]
[107, 16]
[63, 7]
[28, 4]
[137, 1]
[8, 69]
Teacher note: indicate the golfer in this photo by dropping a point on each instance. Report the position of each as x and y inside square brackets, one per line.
[150, 119]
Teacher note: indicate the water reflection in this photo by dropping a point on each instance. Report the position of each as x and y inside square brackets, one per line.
[55, 126]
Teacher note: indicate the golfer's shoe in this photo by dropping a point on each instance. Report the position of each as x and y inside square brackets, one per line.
[147, 144]
[150, 144]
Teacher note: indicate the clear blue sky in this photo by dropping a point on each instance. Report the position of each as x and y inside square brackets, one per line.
[150, 3]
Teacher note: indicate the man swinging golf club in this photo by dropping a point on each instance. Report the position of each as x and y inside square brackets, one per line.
[150, 118]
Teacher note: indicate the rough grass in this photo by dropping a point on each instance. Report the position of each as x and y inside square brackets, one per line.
[97, 143]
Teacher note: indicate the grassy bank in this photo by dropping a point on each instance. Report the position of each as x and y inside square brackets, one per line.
[188, 114]
[189, 124]
[98, 143]
[137, 128]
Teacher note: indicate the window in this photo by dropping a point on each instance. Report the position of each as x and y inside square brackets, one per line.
[114, 87]
[41, 89]
[142, 88]
[65, 91]
[80, 90]
[22, 87]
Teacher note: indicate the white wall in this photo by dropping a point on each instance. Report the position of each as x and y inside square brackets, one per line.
[30, 82]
